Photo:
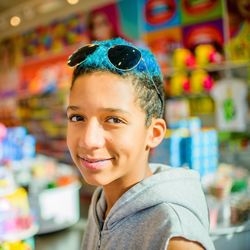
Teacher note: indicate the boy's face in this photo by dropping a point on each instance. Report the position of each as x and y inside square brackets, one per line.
[107, 136]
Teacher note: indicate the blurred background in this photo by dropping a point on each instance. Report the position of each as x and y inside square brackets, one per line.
[203, 48]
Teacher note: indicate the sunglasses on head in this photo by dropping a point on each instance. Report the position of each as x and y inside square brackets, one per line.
[122, 57]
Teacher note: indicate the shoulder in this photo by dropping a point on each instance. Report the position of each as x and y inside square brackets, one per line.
[182, 235]
[179, 243]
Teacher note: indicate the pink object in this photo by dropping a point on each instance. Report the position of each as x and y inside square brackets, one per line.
[213, 217]
[10, 225]
[3, 131]
[190, 61]
[215, 57]
[186, 86]
[208, 83]
[24, 222]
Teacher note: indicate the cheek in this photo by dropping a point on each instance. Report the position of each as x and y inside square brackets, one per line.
[129, 141]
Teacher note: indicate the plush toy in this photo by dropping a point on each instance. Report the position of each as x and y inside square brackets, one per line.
[200, 80]
[206, 54]
[183, 58]
[179, 83]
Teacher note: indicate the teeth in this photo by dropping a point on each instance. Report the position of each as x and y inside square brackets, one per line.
[91, 161]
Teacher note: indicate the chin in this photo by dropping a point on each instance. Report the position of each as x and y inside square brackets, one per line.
[95, 180]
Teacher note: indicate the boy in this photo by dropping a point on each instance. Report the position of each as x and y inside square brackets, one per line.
[115, 113]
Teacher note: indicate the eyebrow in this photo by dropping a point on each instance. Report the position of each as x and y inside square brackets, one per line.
[111, 110]
[115, 110]
[72, 108]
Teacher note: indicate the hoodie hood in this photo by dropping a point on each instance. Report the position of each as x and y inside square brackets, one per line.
[178, 186]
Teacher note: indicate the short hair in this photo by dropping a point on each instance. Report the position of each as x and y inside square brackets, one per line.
[142, 76]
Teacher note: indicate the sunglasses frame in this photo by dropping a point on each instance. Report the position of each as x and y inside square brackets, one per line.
[75, 53]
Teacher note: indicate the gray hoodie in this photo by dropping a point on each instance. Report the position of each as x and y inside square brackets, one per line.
[167, 204]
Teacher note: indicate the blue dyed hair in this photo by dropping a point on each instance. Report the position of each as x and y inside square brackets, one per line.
[142, 74]
[99, 59]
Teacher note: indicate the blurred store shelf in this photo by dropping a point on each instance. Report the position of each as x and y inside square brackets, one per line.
[63, 240]
[69, 238]
[33, 13]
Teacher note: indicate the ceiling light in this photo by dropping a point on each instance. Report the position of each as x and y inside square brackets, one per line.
[15, 21]
[72, 2]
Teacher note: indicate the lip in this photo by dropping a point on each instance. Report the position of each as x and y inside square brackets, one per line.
[158, 12]
[195, 8]
[94, 164]
[203, 35]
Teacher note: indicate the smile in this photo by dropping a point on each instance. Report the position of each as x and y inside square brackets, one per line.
[94, 164]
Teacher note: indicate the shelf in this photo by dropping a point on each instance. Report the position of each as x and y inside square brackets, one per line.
[190, 96]
[22, 235]
[231, 229]
[211, 67]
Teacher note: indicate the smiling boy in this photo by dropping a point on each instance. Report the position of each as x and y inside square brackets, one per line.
[114, 119]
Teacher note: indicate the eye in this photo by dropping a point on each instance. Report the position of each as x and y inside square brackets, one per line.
[114, 120]
[75, 118]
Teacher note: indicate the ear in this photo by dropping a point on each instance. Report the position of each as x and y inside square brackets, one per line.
[156, 132]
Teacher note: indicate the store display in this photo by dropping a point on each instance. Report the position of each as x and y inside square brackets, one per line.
[49, 182]
[17, 224]
[197, 82]
[187, 144]
[44, 117]
[16, 144]
[183, 59]
[197, 11]
[47, 205]
[238, 44]
[202, 151]
[3, 131]
[228, 196]
[179, 84]
[206, 54]
[240, 210]
[176, 109]
[231, 105]
[16, 213]
[200, 81]
[161, 14]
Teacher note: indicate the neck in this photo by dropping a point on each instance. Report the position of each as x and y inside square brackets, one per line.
[116, 189]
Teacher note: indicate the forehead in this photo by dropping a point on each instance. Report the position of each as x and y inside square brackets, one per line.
[105, 75]
[104, 85]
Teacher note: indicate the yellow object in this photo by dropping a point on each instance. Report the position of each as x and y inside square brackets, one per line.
[3, 183]
[203, 53]
[176, 83]
[238, 47]
[19, 199]
[18, 245]
[197, 78]
[182, 58]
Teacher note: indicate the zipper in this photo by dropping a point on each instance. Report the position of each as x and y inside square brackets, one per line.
[100, 236]
[99, 241]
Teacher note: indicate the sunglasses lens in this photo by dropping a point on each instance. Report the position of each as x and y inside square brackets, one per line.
[81, 54]
[124, 57]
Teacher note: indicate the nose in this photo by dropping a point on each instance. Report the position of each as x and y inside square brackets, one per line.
[92, 135]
